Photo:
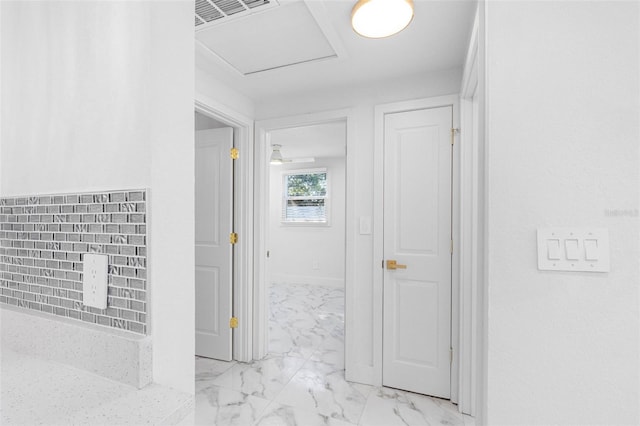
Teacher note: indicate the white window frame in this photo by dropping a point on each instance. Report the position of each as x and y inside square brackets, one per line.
[326, 197]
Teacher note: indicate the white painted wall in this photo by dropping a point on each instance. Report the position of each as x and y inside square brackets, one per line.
[480, 309]
[295, 248]
[1, 102]
[208, 86]
[172, 251]
[362, 97]
[99, 96]
[563, 130]
[86, 108]
[361, 101]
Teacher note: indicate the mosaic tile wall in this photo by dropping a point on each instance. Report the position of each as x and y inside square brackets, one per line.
[42, 243]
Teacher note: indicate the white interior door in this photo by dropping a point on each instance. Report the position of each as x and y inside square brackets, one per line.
[417, 235]
[213, 251]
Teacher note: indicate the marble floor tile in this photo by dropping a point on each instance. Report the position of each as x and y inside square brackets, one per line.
[390, 407]
[264, 378]
[221, 406]
[294, 342]
[283, 415]
[334, 357]
[302, 382]
[207, 370]
[304, 318]
[333, 340]
[322, 388]
[189, 419]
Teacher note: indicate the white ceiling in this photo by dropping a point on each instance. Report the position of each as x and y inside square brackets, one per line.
[318, 141]
[288, 35]
[435, 40]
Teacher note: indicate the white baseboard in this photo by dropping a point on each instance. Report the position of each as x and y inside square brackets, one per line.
[302, 279]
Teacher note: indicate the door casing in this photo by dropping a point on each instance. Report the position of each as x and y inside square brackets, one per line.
[378, 240]
[262, 151]
[472, 223]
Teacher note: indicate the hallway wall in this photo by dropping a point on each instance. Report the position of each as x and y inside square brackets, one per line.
[563, 130]
[101, 98]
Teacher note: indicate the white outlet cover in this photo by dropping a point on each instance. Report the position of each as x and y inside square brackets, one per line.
[94, 280]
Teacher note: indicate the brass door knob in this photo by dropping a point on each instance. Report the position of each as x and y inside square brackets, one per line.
[393, 264]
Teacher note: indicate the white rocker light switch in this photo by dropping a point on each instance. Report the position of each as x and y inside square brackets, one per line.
[553, 249]
[573, 249]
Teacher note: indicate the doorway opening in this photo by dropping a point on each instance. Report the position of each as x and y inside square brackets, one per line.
[320, 267]
[305, 259]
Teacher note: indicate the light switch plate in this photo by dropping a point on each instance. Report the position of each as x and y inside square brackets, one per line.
[579, 249]
[94, 280]
[365, 225]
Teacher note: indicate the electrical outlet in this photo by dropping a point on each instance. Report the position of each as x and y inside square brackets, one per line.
[94, 280]
[315, 265]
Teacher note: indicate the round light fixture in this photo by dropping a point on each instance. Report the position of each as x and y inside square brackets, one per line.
[381, 18]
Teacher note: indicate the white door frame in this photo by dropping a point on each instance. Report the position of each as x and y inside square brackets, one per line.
[260, 327]
[243, 218]
[471, 253]
[378, 242]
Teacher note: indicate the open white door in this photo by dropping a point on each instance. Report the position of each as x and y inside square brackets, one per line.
[213, 251]
[417, 235]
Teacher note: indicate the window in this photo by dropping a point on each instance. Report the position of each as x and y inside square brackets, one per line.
[305, 197]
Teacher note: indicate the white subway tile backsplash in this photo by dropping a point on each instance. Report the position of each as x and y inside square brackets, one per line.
[42, 242]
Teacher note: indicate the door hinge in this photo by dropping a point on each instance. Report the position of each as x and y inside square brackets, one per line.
[454, 132]
[451, 247]
[233, 238]
[450, 355]
[233, 322]
[235, 153]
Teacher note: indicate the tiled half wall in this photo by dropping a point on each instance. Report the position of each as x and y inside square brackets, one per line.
[43, 240]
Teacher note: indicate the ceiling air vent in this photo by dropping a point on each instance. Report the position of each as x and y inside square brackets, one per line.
[208, 11]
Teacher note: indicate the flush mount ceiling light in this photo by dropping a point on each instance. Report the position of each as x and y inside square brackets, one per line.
[381, 18]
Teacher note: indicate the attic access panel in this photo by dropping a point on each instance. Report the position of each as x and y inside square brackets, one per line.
[280, 37]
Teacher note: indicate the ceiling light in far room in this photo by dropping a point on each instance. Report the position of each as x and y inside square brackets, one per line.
[276, 156]
[381, 18]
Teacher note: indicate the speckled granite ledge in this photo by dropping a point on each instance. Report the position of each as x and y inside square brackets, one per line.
[34, 391]
[118, 355]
